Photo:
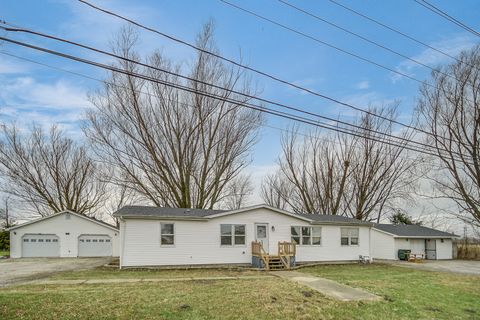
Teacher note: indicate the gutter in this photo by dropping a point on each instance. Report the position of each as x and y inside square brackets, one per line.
[186, 218]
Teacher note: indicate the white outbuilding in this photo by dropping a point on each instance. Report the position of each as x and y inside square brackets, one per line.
[64, 234]
[432, 244]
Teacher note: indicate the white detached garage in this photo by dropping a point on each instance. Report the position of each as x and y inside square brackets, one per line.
[387, 239]
[64, 234]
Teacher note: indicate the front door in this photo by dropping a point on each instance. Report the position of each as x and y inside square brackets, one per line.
[261, 234]
[430, 249]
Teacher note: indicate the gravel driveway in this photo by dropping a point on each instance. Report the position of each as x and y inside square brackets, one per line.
[15, 271]
[454, 266]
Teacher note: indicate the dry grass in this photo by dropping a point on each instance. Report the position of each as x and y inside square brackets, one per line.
[434, 295]
[468, 251]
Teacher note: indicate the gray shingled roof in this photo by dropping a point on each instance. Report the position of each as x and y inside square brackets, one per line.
[412, 230]
[146, 211]
[333, 218]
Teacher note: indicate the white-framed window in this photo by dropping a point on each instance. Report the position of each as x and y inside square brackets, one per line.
[306, 236]
[232, 234]
[167, 234]
[349, 236]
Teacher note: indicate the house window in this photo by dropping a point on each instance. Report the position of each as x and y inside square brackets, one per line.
[349, 236]
[167, 234]
[306, 236]
[25, 240]
[441, 240]
[232, 234]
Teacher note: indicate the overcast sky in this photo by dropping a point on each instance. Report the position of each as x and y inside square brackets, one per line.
[30, 92]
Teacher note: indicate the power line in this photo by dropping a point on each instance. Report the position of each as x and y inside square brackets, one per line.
[317, 40]
[377, 44]
[257, 71]
[296, 109]
[403, 34]
[176, 101]
[223, 99]
[446, 16]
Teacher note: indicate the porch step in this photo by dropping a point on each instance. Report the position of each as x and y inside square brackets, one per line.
[275, 263]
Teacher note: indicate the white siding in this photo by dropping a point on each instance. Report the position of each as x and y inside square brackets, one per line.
[60, 226]
[416, 245]
[198, 242]
[444, 250]
[382, 245]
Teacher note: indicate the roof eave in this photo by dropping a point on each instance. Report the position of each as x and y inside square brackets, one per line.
[104, 224]
[426, 237]
[342, 223]
[154, 217]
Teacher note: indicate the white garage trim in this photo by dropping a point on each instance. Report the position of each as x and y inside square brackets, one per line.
[94, 245]
[40, 245]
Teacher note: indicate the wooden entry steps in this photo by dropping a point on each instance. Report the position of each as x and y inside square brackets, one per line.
[284, 260]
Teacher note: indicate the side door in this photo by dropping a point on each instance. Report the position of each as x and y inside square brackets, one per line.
[431, 249]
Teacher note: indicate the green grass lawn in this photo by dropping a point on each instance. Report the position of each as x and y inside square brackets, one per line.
[409, 294]
[108, 273]
[4, 253]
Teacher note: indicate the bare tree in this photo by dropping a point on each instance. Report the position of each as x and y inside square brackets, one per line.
[357, 175]
[119, 196]
[6, 218]
[449, 108]
[175, 148]
[237, 192]
[276, 190]
[49, 173]
[312, 174]
[383, 172]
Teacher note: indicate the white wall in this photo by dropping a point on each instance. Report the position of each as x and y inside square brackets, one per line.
[198, 242]
[59, 225]
[382, 245]
[444, 250]
[416, 245]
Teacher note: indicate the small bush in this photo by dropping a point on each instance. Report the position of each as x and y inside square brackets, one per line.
[4, 240]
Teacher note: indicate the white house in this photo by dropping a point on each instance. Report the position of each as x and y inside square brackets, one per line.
[64, 234]
[153, 236]
[433, 244]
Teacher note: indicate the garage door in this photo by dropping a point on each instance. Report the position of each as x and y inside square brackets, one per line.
[40, 245]
[94, 245]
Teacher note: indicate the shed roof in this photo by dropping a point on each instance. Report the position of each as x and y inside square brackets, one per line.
[413, 230]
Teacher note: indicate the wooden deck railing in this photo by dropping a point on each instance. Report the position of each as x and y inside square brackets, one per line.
[287, 249]
[286, 252]
[257, 250]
